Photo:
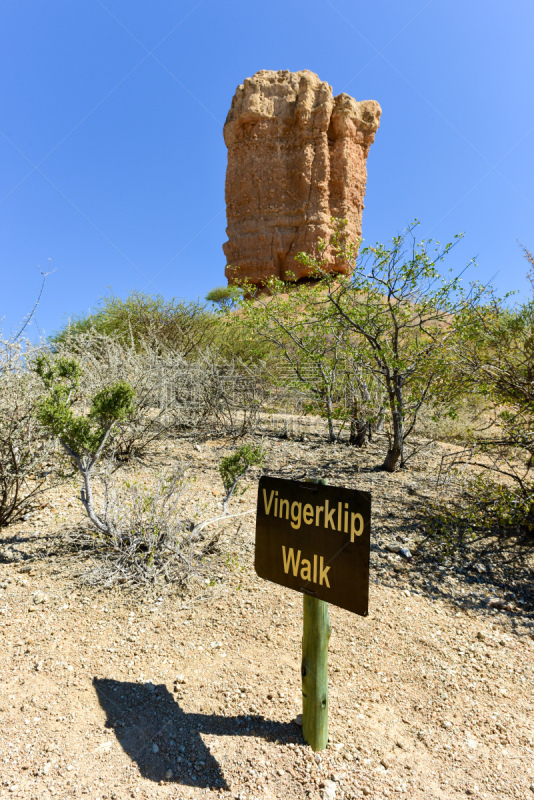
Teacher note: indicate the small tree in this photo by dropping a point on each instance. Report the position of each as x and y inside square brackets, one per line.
[82, 436]
[403, 316]
[226, 297]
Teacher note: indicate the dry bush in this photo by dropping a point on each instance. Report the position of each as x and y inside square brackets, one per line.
[495, 364]
[172, 394]
[106, 360]
[483, 521]
[150, 540]
[464, 423]
[159, 533]
[25, 448]
[230, 393]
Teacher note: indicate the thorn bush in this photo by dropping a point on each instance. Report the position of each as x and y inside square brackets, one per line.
[25, 449]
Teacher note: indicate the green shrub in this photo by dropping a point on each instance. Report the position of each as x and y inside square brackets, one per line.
[183, 327]
[83, 436]
[485, 510]
[187, 329]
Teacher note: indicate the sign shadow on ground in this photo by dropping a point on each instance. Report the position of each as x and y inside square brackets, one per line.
[147, 715]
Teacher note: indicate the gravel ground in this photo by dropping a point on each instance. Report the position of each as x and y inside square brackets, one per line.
[118, 694]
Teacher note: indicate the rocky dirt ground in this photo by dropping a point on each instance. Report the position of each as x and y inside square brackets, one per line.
[119, 694]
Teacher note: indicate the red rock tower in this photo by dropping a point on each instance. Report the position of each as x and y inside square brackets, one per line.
[296, 157]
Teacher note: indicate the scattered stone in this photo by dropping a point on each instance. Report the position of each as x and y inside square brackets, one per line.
[39, 598]
[155, 748]
[405, 552]
[453, 657]
[169, 774]
[471, 743]
[298, 720]
[496, 602]
[329, 791]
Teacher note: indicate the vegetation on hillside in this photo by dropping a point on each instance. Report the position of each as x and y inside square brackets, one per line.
[185, 328]
[386, 331]
[376, 352]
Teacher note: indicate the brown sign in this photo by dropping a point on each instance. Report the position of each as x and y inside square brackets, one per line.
[315, 539]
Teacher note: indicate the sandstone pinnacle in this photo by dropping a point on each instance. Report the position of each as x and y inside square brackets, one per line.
[296, 158]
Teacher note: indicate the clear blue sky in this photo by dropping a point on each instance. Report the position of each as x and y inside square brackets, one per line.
[112, 153]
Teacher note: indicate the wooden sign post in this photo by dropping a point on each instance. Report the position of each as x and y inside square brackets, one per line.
[315, 539]
[316, 632]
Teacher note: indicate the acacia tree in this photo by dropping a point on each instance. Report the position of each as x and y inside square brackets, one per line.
[225, 297]
[403, 314]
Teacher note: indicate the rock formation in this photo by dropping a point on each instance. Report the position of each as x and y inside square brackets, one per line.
[296, 158]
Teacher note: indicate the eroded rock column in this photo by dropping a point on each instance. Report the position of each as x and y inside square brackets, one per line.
[296, 157]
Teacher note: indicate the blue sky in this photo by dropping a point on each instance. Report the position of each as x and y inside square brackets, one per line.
[113, 159]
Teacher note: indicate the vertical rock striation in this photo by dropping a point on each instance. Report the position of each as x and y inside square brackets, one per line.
[296, 157]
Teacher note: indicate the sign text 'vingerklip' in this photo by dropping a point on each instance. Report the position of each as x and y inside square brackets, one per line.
[315, 539]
